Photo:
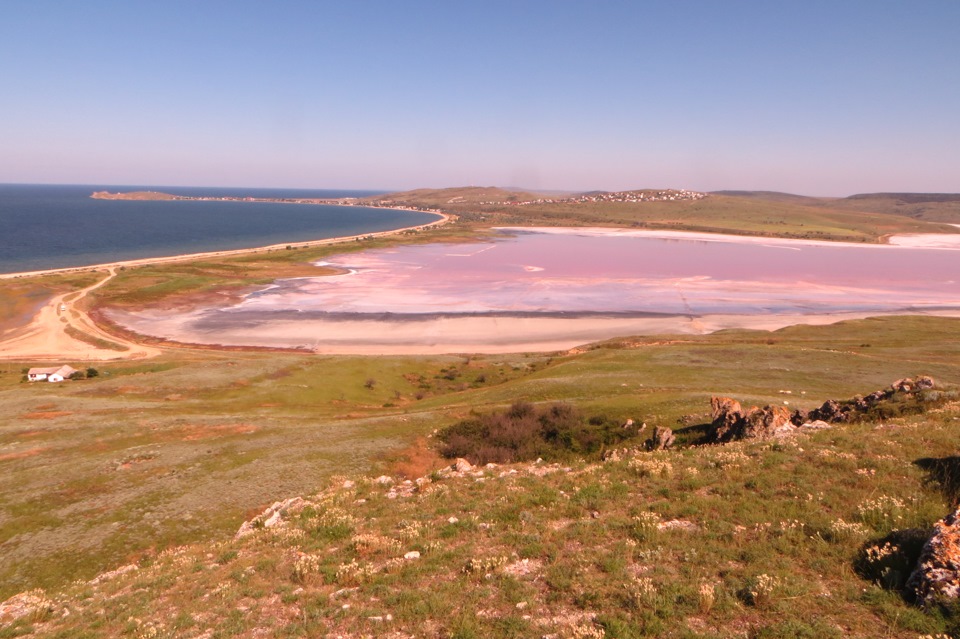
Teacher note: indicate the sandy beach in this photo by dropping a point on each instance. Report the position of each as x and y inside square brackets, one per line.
[187, 257]
[62, 330]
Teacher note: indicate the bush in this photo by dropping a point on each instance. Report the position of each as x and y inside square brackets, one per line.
[525, 432]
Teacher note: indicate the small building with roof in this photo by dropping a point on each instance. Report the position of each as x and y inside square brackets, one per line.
[51, 374]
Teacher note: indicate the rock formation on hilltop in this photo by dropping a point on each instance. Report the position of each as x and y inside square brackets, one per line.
[730, 422]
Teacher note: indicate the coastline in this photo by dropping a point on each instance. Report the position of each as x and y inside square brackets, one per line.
[429, 334]
[444, 218]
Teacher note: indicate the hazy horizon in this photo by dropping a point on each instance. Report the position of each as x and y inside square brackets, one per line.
[543, 191]
[815, 98]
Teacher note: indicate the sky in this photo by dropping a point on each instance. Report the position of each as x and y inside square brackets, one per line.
[814, 97]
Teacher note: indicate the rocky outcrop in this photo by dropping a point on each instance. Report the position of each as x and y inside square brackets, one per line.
[731, 422]
[937, 575]
[271, 517]
[904, 396]
[831, 412]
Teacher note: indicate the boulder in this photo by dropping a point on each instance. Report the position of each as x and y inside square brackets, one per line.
[731, 423]
[831, 411]
[937, 575]
[769, 421]
[905, 385]
[925, 382]
[727, 415]
[662, 439]
[814, 425]
[799, 417]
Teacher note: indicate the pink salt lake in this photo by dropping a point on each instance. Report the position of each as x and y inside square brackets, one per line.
[568, 275]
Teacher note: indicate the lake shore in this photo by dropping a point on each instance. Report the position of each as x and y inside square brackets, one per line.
[473, 334]
[449, 333]
[391, 331]
[907, 240]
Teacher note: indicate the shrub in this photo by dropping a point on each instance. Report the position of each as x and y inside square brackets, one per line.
[526, 432]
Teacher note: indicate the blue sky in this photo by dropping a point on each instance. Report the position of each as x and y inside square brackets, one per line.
[812, 97]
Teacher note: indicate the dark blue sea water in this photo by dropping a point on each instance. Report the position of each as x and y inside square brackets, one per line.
[55, 226]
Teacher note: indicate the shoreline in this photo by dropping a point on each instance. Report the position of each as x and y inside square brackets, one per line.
[474, 334]
[444, 218]
[943, 241]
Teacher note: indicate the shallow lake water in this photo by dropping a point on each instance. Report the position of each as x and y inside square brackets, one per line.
[568, 274]
[584, 272]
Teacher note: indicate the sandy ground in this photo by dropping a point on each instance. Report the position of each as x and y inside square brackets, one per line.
[927, 240]
[461, 335]
[907, 240]
[44, 337]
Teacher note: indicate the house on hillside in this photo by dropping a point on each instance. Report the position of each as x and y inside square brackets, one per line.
[52, 374]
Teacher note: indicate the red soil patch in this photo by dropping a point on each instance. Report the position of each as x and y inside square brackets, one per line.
[198, 432]
[49, 414]
[416, 460]
[127, 389]
[22, 454]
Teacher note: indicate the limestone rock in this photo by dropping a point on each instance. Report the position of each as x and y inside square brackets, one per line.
[905, 385]
[269, 518]
[799, 417]
[814, 425]
[662, 439]
[731, 423]
[726, 413]
[769, 421]
[831, 411]
[937, 575]
[24, 604]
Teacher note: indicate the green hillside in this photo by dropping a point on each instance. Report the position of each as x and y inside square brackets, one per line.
[157, 465]
[737, 212]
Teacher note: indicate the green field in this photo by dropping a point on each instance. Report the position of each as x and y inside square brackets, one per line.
[115, 469]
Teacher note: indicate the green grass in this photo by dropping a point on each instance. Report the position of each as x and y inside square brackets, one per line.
[540, 549]
[791, 217]
[183, 448]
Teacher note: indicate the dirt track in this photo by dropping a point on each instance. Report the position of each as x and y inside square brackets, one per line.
[46, 337]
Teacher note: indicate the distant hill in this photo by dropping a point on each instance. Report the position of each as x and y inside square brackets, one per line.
[772, 196]
[927, 207]
[764, 213]
[908, 198]
[456, 196]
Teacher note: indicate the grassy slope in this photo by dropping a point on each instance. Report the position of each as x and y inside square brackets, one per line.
[768, 550]
[918, 206]
[111, 470]
[180, 450]
[775, 214]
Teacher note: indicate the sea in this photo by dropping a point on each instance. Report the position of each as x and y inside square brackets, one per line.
[60, 226]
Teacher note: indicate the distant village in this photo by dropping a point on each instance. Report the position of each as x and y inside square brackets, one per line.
[617, 196]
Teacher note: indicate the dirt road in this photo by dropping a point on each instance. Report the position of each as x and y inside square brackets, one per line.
[62, 330]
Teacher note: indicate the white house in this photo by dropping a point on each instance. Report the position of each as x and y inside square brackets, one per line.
[53, 374]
